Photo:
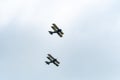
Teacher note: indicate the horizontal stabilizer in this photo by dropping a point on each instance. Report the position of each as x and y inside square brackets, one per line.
[47, 62]
[50, 32]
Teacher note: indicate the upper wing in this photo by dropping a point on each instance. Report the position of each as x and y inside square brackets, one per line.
[55, 26]
[51, 56]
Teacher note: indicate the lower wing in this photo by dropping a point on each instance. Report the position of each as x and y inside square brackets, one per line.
[59, 34]
[55, 64]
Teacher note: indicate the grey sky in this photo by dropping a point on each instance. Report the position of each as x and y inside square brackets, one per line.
[89, 50]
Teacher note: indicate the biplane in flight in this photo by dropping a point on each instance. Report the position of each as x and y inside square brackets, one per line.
[56, 30]
[52, 60]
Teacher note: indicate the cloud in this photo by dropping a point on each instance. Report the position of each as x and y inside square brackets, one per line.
[36, 12]
[90, 46]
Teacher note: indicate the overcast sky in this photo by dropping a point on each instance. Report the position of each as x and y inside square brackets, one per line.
[89, 49]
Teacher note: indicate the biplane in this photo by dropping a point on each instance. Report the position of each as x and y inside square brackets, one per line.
[52, 60]
[56, 30]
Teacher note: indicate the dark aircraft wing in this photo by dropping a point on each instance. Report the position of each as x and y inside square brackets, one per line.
[59, 34]
[55, 64]
[51, 56]
[55, 26]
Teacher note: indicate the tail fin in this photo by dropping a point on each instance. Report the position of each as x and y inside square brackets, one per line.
[51, 32]
[47, 62]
